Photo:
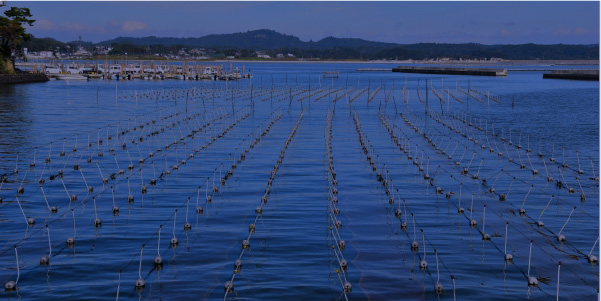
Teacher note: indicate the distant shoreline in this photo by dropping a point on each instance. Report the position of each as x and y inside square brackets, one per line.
[464, 62]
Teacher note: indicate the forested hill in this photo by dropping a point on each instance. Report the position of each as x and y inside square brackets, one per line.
[245, 44]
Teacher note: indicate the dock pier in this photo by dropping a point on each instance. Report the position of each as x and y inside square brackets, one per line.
[133, 69]
[447, 70]
[573, 74]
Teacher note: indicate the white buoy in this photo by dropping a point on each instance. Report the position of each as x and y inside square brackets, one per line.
[414, 243]
[97, 221]
[187, 225]
[208, 197]
[121, 171]
[199, 209]
[45, 259]
[540, 223]
[459, 208]
[560, 237]
[158, 260]
[153, 181]
[12, 285]
[473, 222]
[438, 288]
[592, 258]
[104, 180]
[21, 189]
[549, 178]
[503, 197]
[229, 287]
[130, 197]
[485, 236]
[115, 208]
[534, 171]
[559, 184]
[582, 195]
[62, 153]
[532, 281]
[423, 264]
[404, 222]
[71, 240]
[237, 265]
[522, 210]
[143, 188]
[174, 240]
[508, 257]
[29, 221]
[466, 169]
[140, 283]
[32, 164]
[215, 188]
[48, 159]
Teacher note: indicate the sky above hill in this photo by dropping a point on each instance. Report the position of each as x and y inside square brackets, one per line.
[542, 22]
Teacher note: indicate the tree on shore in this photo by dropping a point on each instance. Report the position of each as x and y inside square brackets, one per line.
[12, 35]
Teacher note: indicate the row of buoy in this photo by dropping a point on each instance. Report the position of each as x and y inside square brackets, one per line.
[97, 220]
[73, 197]
[382, 176]
[508, 256]
[334, 211]
[502, 197]
[141, 126]
[158, 261]
[140, 283]
[518, 146]
[438, 189]
[246, 243]
[60, 172]
[472, 222]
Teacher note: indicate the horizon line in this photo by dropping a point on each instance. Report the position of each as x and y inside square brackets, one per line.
[310, 40]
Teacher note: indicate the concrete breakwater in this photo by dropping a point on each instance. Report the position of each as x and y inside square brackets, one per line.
[446, 70]
[374, 69]
[23, 78]
[573, 74]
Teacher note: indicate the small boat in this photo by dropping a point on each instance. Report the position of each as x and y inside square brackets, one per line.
[71, 77]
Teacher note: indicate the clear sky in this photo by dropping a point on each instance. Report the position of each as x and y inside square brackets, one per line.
[543, 22]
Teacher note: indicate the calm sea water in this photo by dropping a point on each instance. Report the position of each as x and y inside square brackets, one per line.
[291, 254]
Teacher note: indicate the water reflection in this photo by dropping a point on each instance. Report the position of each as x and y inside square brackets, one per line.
[15, 120]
